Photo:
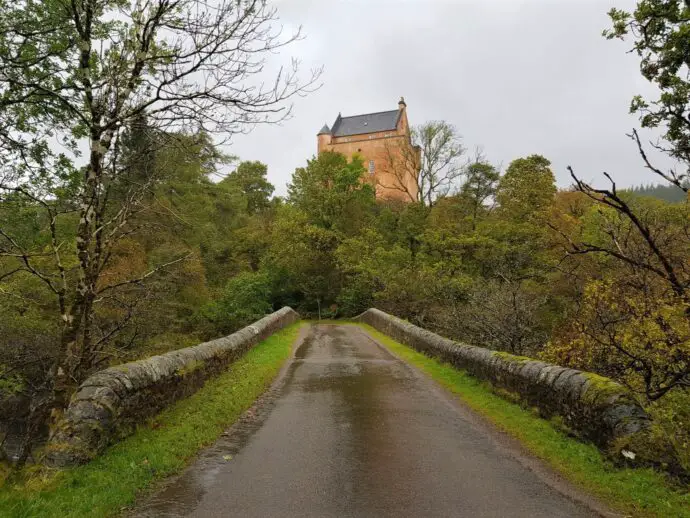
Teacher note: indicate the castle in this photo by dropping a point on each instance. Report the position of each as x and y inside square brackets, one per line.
[383, 141]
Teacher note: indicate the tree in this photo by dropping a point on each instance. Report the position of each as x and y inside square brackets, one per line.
[331, 192]
[430, 165]
[636, 315]
[641, 340]
[300, 261]
[245, 299]
[527, 187]
[498, 314]
[480, 185]
[327, 201]
[250, 179]
[650, 244]
[81, 73]
[660, 32]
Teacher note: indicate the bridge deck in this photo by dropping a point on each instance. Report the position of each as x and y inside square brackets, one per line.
[349, 430]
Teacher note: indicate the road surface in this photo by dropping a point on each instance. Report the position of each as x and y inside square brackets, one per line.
[351, 431]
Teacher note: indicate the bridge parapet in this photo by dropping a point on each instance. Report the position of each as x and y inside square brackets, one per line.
[595, 407]
[109, 404]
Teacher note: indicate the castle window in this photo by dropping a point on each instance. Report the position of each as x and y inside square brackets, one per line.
[371, 167]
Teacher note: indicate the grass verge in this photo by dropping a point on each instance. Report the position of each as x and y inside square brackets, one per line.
[637, 492]
[159, 448]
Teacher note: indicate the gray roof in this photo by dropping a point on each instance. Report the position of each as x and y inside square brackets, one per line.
[367, 123]
[325, 130]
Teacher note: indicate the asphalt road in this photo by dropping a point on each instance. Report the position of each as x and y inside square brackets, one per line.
[351, 431]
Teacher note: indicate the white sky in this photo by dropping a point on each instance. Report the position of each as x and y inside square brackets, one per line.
[516, 77]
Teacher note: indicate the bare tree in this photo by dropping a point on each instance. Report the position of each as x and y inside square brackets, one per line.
[500, 314]
[73, 75]
[429, 165]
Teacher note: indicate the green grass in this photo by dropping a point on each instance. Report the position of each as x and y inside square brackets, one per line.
[637, 492]
[159, 448]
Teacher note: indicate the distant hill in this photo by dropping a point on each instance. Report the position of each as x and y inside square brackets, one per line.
[667, 193]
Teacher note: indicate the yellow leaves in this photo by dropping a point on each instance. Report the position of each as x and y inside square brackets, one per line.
[642, 337]
[128, 261]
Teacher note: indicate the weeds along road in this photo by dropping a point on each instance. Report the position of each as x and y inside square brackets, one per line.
[350, 430]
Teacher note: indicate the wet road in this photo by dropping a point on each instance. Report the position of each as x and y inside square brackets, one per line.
[350, 431]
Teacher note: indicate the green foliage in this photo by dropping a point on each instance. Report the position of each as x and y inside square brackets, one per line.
[10, 382]
[245, 298]
[671, 429]
[250, 179]
[331, 194]
[300, 261]
[471, 257]
[527, 187]
[641, 339]
[481, 179]
[660, 30]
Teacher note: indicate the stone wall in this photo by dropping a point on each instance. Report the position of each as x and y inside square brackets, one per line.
[110, 403]
[596, 408]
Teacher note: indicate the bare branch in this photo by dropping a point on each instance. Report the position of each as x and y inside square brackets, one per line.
[672, 177]
[142, 278]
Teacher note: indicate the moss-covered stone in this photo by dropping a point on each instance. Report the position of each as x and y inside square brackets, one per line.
[592, 406]
[512, 357]
[109, 404]
[599, 388]
[191, 366]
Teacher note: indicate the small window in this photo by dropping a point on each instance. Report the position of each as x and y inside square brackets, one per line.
[371, 167]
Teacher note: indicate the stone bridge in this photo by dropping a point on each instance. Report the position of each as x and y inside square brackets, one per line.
[349, 429]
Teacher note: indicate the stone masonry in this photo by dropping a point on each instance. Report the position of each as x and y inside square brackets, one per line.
[110, 403]
[596, 408]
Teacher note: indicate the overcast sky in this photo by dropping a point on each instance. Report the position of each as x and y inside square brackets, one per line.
[515, 77]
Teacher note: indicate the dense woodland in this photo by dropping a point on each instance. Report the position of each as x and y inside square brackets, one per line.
[141, 245]
[660, 191]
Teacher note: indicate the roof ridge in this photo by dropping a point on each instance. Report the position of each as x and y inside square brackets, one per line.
[365, 123]
[370, 113]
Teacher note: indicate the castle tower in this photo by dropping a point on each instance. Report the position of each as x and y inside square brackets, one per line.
[383, 141]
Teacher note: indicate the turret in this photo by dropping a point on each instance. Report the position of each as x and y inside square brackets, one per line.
[324, 138]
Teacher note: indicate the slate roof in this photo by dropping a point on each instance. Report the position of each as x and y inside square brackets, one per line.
[324, 131]
[367, 123]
